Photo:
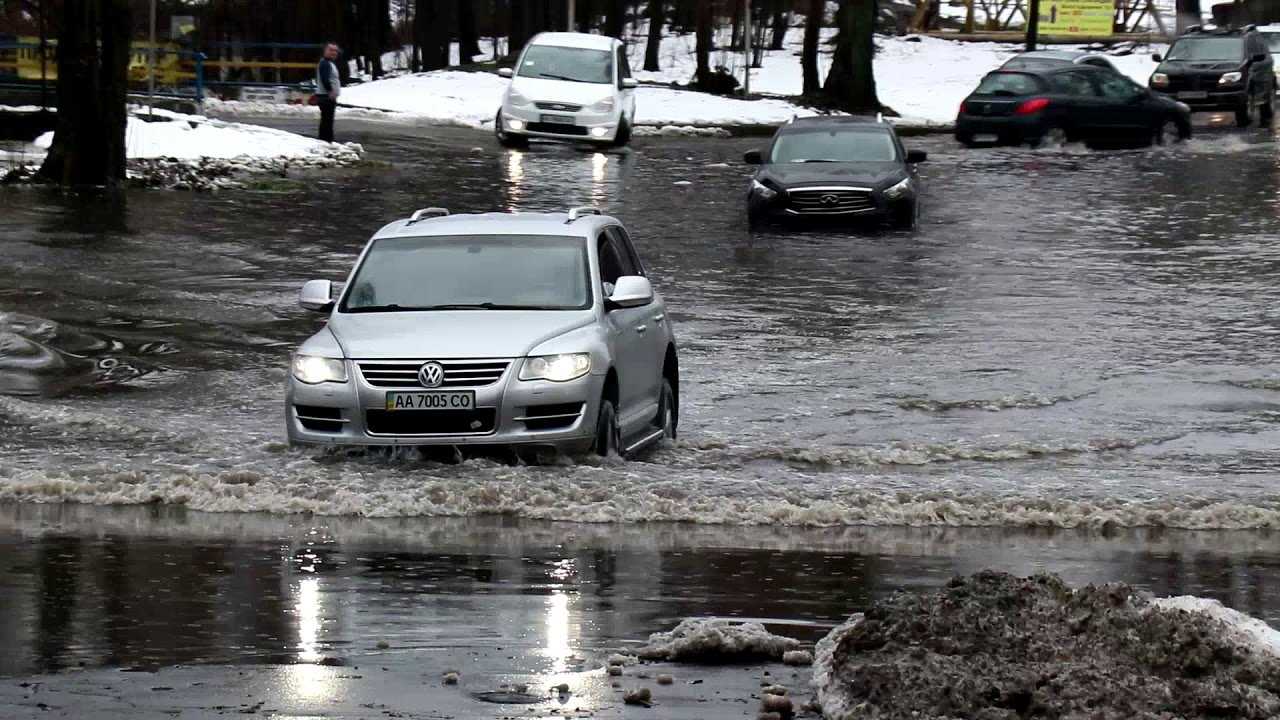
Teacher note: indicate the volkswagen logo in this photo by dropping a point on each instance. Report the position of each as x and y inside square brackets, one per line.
[829, 199]
[431, 375]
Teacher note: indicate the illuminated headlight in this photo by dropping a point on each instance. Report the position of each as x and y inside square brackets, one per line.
[515, 124]
[764, 191]
[1159, 79]
[314, 370]
[604, 106]
[556, 368]
[898, 189]
[599, 132]
[1230, 78]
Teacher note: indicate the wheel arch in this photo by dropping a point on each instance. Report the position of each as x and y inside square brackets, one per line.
[671, 373]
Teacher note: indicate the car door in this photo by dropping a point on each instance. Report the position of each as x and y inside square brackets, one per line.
[1080, 96]
[627, 329]
[656, 334]
[627, 95]
[1124, 112]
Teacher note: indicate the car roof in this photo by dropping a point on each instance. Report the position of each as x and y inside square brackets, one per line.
[497, 223]
[850, 122]
[574, 40]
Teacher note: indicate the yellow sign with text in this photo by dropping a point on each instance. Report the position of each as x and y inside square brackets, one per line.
[1077, 17]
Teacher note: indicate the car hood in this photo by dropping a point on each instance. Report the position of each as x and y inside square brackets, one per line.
[449, 334]
[1184, 66]
[564, 91]
[870, 174]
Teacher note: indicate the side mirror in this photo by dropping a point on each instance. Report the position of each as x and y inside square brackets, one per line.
[506, 72]
[630, 291]
[1260, 57]
[317, 296]
[1157, 57]
[917, 156]
[629, 83]
[752, 157]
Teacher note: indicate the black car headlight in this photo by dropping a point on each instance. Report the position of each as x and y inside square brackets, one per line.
[898, 189]
[763, 191]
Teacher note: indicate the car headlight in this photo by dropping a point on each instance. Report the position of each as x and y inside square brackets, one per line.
[605, 105]
[1159, 79]
[1230, 78]
[314, 370]
[764, 191]
[515, 98]
[898, 189]
[556, 368]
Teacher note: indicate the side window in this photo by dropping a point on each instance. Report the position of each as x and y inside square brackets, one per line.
[1072, 83]
[611, 267]
[624, 67]
[631, 260]
[1116, 87]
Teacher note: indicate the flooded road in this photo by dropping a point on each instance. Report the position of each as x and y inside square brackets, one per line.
[1072, 338]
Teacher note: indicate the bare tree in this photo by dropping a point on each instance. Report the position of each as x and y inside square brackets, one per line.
[93, 73]
[781, 20]
[655, 36]
[702, 35]
[814, 12]
[468, 36]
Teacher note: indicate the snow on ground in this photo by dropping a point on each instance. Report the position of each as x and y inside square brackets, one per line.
[194, 137]
[1248, 631]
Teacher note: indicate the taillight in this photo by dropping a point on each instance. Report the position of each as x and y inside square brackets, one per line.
[964, 108]
[1032, 106]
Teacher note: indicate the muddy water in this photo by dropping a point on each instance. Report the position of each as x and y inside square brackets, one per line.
[1072, 338]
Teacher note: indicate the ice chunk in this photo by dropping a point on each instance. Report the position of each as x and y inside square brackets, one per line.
[703, 639]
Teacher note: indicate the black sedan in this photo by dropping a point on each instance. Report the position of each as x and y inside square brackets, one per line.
[1077, 102]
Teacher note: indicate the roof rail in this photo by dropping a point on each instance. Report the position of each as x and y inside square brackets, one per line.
[1194, 28]
[1250, 27]
[427, 213]
[879, 117]
[575, 213]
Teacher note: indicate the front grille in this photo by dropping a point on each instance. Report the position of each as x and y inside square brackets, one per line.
[319, 419]
[556, 128]
[400, 374]
[558, 107]
[430, 422]
[830, 202]
[551, 417]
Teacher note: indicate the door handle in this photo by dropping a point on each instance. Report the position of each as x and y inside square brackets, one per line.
[641, 329]
[659, 318]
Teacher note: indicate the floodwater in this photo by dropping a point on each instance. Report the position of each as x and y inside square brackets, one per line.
[1075, 357]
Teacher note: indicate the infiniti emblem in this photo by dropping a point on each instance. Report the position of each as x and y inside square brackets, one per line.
[829, 199]
[431, 375]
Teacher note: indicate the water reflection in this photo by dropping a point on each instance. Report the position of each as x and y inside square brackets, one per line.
[308, 611]
[559, 646]
[552, 178]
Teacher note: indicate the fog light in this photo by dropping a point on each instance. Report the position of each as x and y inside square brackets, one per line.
[514, 124]
[599, 132]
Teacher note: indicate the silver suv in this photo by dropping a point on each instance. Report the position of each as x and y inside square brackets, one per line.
[527, 330]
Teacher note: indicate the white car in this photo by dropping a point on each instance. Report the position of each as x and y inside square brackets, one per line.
[568, 86]
[1271, 33]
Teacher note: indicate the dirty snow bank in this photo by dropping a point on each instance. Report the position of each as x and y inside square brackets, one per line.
[996, 646]
[708, 639]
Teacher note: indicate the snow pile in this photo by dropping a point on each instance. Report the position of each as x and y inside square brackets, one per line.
[706, 639]
[193, 137]
[996, 646]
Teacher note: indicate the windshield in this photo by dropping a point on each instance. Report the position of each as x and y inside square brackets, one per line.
[1207, 49]
[565, 63]
[475, 272]
[834, 145]
[1004, 83]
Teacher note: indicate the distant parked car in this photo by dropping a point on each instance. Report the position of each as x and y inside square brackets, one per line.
[1220, 70]
[1068, 103]
[1046, 59]
[835, 168]
[520, 330]
[568, 86]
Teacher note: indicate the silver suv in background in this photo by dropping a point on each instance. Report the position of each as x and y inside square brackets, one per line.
[525, 330]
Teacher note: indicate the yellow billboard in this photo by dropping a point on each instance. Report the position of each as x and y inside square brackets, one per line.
[1077, 17]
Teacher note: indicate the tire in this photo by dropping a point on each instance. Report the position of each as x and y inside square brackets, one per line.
[608, 441]
[506, 139]
[1268, 112]
[906, 218]
[623, 136]
[668, 418]
[756, 220]
[1244, 115]
[1053, 137]
[1168, 133]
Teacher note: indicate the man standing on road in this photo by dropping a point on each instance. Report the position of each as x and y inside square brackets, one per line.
[328, 86]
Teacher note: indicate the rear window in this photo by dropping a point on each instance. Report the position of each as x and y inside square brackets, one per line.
[1002, 83]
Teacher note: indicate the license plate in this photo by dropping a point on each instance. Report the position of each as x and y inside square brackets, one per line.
[431, 400]
[558, 119]
[986, 138]
[1193, 95]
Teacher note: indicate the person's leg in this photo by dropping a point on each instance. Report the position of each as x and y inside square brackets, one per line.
[327, 109]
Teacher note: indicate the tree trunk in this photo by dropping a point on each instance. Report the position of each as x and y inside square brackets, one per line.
[519, 33]
[468, 36]
[735, 36]
[615, 12]
[702, 35]
[1188, 12]
[851, 85]
[781, 20]
[655, 36]
[93, 70]
[809, 53]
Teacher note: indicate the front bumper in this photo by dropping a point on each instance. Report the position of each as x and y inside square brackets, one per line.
[343, 413]
[587, 126]
[1214, 101]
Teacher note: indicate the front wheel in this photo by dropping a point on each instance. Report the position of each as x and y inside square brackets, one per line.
[608, 432]
[1169, 133]
[623, 136]
[1268, 112]
[906, 217]
[506, 139]
[1244, 115]
[668, 418]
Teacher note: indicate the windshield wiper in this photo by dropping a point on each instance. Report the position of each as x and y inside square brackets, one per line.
[809, 161]
[549, 76]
